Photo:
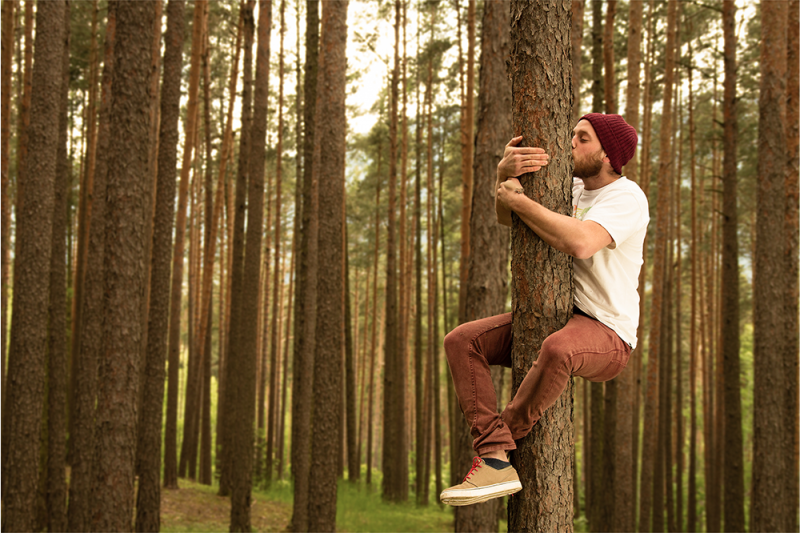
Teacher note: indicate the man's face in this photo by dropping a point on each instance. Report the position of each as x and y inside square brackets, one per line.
[587, 152]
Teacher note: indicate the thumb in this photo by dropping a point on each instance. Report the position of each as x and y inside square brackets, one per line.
[515, 141]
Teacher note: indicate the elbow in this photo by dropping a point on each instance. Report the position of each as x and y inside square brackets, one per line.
[581, 251]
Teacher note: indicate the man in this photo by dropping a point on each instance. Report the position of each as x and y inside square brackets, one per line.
[605, 235]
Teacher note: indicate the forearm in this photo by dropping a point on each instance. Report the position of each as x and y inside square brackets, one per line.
[503, 213]
[566, 234]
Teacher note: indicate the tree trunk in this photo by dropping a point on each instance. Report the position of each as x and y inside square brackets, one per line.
[306, 295]
[274, 328]
[353, 461]
[395, 449]
[93, 305]
[734, 454]
[467, 155]
[610, 84]
[488, 263]
[56, 485]
[148, 500]
[542, 116]
[792, 235]
[650, 457]
[771, 505]
[597, 56]
[126, 197]
[7, 59]
[171, 439]
[373, 345]
[329, 159]
[242, 365]
[576, 37]
[27, 354]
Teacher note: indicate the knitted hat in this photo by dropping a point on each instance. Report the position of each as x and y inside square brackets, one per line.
[617, 137]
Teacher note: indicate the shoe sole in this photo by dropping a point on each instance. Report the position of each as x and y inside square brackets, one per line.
[461, 497]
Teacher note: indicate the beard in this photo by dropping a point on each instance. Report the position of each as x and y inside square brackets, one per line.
[589, 166]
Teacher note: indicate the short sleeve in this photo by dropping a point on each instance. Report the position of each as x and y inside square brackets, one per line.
[622, 213]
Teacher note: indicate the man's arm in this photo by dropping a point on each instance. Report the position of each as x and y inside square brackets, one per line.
[569, 235]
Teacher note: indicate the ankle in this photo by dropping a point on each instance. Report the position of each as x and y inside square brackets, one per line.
[496, 454]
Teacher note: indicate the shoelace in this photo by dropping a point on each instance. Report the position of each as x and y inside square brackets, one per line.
[476, 463]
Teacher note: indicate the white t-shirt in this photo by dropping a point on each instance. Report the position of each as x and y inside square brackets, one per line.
[606, 284]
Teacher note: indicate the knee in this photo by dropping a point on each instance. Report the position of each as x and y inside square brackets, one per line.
[553, 354]
[456, 344]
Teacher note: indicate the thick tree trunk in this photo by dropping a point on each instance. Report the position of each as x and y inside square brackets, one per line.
[93, 305]
[791, 236]
[770, 504]
[148, 500]
[542, 296]
[27, 354]
[734, 454]
[126, 197]
[488, 264]
[329, 159]
[306, 295]
[56, 485]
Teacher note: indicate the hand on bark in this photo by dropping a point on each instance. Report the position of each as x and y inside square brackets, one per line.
[518, 160]
[509, 193]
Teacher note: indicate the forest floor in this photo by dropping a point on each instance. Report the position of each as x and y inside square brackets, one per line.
[196, 508]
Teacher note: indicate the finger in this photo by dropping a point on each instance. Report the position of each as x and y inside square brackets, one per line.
[530, 150]
[515, 141]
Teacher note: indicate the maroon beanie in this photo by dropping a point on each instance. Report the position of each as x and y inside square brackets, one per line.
[617, 137]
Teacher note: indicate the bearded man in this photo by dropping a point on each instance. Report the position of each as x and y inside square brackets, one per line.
[605, 235]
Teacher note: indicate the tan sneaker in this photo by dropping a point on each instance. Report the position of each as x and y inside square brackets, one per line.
[481, 484]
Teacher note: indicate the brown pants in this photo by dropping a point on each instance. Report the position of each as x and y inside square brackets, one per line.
[584, 347]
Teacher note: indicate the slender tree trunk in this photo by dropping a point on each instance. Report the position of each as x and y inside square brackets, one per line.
[274, 335]
[242, 365]
[27, 354]
[353, 462]
[148, 500]
[93, 305]
[329, 159]
[56, 484]
[770, 504]
[5, 118]
[576, 36]
[597, 56]
[126, 197]
[488, 263]
[395, 449]
[734, 454]
[610, 84]
[306, 295]
[544, 457]
[467, 155]
[171, 449]
[373, 347]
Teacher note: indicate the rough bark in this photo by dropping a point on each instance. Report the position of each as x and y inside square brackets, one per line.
[148, 500]
[27, 354]
[56, 486]
[305, 296]
[770, 503]
[488, 264]
[734, 454]
[93, 305]
[540, 70]
[791, 236]
[329, 158]
[126, 197]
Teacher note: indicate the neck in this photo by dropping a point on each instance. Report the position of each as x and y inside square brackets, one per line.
[599, 181]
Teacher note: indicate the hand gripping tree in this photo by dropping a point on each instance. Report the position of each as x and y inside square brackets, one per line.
[540, 70]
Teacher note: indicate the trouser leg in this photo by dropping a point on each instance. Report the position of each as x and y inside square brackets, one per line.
[471, 348]
[585, 348]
